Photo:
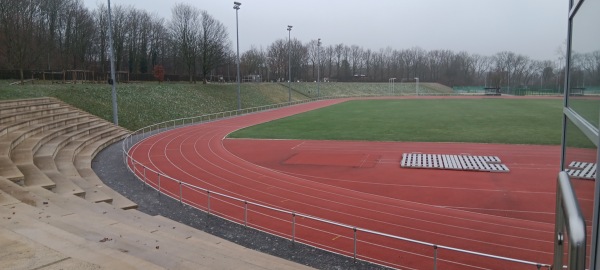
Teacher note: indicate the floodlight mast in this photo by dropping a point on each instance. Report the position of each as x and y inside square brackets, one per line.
[113, 80]
[236, 6]
[289, 29]
[319, 67]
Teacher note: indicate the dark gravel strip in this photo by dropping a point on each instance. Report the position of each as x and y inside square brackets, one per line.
[109, 166]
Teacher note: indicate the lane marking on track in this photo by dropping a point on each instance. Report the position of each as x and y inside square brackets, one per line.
[336, 237]
[364, 160]
[300, 144]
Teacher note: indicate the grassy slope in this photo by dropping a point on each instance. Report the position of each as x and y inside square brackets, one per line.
[142, 104]
[486, 121]
[148, 103]
[346, 89]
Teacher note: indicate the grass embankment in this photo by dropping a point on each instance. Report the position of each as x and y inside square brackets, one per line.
[328, 89]
[142, 104]
[482, 121]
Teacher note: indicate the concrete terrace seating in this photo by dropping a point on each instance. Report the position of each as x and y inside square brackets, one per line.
[34, 135]
[56, 213]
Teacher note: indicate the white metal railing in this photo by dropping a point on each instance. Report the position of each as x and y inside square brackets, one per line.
[373, 241]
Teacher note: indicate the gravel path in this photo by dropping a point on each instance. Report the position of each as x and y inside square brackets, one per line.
[109, 166]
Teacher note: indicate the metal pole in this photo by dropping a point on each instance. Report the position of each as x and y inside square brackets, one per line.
[112, 69]
[289, 63]
[354, 244]
[159, 184]
[435, 254]
[208, 202]
[237, 33]
[319, 68]
[180, 194]
[293, 228]
[245, 214]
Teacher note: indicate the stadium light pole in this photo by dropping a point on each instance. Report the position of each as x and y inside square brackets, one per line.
[113, 80]
[417, 78]
[236, 6]
[319, 68]
[289, 63]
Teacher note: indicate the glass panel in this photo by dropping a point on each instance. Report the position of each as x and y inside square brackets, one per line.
[584, 80]
[580, 163]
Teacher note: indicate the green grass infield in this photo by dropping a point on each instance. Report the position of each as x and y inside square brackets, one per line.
[505, 121]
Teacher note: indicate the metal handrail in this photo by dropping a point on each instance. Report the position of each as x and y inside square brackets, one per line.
[569, 215]
[128, 142]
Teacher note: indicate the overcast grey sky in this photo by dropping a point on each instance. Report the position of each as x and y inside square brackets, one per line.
[535, 28]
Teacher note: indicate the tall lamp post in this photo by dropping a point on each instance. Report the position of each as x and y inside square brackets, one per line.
[113, 80]
[319, 68]
[236, 6]
[417, 78]
[289, 63]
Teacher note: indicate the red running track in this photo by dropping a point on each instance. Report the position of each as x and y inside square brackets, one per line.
[361, 184]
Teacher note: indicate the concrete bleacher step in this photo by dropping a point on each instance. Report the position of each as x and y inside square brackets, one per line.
[45, 120]
[33, 177]
[161, 241]
[25, 102]
[95, 189]
[16, 136]
[20, 252]
[82, 251]
[40, 205]
[6, 110]
[23, 157]
[65, 157]
[9, 170]
[83, 165]
[13, 139]
[93, 227]
[51, 147]
[23, 115]
[8, 142]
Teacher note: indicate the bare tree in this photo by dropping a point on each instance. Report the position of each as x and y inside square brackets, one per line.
[312, 50]
[185, 33]
[101, 36]
[213, 43]
[252, 60]
[19, 27]
[277, 54]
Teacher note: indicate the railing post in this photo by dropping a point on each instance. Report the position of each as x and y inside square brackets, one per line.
[180, 194]
[145, 179]
[208, 202]
[435, 254]
[354, 244]
[158, 183]
[245, 213]
[293, 228]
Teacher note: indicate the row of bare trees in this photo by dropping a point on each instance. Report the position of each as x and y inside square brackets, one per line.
[353, 63]
[64, 35]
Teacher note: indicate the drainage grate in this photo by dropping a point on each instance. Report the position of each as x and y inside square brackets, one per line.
[453, 162]
[583, 170]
